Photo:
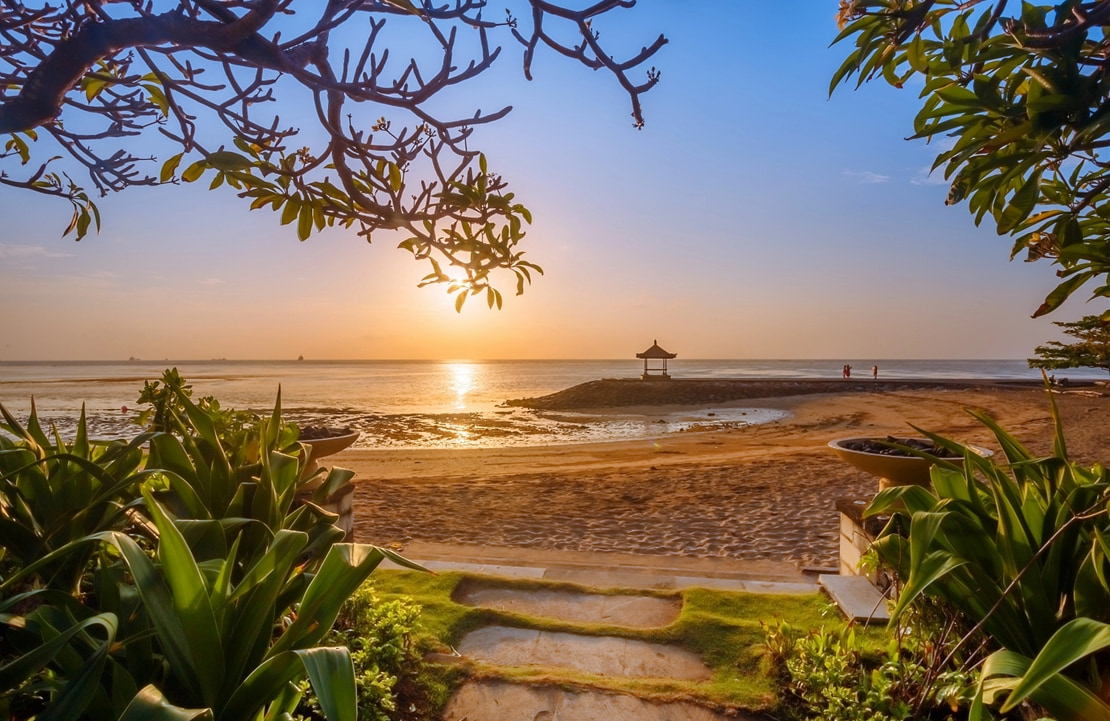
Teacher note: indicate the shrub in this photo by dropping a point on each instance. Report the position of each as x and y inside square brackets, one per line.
[831, 676]
[379, 634]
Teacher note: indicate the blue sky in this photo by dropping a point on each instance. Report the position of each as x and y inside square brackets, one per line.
[753, 217]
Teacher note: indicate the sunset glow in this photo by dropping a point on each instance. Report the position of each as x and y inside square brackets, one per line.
[752, 217]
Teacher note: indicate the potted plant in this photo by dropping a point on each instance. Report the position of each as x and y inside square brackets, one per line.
[898, 461]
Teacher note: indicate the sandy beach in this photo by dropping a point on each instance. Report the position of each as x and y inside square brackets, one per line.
[760, 492]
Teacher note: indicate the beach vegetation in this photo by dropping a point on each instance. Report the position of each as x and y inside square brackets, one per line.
[1091, 348]
[836, 674]
[206, 87]
[54, 493]
[1018, 94]
[1020, 548]
[174, 576]
[386, 659]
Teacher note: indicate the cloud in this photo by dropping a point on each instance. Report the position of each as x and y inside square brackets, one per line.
[925, 176]
[23, 251]
[866, 176]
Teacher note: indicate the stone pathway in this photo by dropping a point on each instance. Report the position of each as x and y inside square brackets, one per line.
[502, 701]
[600, 655]
[616, 610]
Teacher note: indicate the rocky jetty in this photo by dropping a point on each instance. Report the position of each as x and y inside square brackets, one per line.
[618, 393]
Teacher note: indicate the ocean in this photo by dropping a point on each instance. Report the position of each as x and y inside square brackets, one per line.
[433, 404]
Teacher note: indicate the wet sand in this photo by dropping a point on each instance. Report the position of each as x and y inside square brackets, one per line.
[760, 493]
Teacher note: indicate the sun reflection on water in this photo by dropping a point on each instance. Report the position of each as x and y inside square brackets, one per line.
[462, 382]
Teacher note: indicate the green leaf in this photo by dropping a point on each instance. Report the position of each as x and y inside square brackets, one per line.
[170, 167]
[1065, 699]
[93, 86]
[291, 211]
[264, 683]
[405, 5]
[332, 676]
[83, 220]
[1074, 641]
[1021, 205]
[190, 603]
[227, 160]
[194, 171]
[159, 606]
[257, 596]
[158, 98]
[1068, 232]
[1060, 294]
[344, 568]
[78, 690]
[304, 222]
[150, 705]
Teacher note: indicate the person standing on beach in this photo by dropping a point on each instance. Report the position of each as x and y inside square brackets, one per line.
[848, 371]
[875, 372]
[844, 371]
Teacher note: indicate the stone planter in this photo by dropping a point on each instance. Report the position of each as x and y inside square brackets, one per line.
[322, 447]
[893, 470]
[340, 502]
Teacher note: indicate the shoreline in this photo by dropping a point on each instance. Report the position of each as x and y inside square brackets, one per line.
[761, 492]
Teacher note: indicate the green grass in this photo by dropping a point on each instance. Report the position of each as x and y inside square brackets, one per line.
[723, 627]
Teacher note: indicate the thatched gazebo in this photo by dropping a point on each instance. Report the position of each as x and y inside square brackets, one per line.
[655, 353]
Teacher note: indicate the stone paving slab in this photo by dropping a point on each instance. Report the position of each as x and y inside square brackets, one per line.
[550, 558]
[503, 701]
[613, 570]
[617, 610]
[482, 569]
[600, 655]
[730, 584]
[857, 598]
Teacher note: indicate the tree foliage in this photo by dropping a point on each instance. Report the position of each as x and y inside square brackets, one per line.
[1091, 350]
[1021, 90]
[151, 92]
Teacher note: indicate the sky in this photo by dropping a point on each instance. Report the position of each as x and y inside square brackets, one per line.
[754, 216]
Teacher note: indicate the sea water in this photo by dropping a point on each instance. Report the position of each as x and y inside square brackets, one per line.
[434, 404]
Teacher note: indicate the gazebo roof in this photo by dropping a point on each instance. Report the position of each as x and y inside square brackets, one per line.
[656, 352]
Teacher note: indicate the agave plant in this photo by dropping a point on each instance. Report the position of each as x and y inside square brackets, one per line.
[230, 638]
[1021, 549]
[206, 477]
[52, 493]
[207, 603]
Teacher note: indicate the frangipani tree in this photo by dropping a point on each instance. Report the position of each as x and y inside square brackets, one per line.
[153, 92]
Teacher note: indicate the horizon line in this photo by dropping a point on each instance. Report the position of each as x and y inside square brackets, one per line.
[680, 359]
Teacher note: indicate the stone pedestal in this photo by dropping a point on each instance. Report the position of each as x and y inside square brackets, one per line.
[342, 502]
[856, 534]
